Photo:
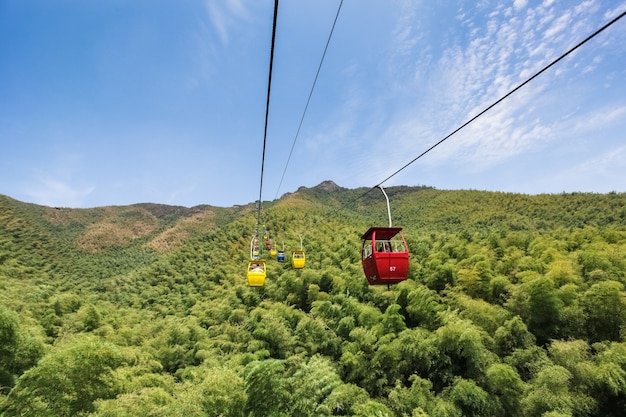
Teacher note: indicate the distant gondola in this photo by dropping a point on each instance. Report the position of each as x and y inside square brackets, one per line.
[298, 258]
[256, 267]
[280, 255]
[272, 249]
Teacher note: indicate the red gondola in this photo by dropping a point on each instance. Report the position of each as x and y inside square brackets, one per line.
[384, 253]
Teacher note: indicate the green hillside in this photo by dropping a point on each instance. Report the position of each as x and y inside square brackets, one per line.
[514, 306]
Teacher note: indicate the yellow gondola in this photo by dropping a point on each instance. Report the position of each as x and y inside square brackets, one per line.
[273, 251]
[256, 273]
[298, 259]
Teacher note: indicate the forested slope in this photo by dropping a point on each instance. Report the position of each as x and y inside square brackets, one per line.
[514, 306]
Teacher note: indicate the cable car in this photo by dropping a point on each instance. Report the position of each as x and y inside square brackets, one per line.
[256, 273]
[280, 255]
[385, 256]
[269, 245]
[384, 253]
[297, 257]
[273, 251]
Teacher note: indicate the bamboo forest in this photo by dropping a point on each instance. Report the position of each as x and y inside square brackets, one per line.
[511, 305]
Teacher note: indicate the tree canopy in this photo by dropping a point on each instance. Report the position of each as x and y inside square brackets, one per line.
[514, 305]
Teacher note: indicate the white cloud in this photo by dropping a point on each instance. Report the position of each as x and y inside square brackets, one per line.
[558, 26]
[224, 15]
[610, 14]
[53, 192]
[603, 117]
[520, 4]
[59, 180]
[472, 74]
[600, 173]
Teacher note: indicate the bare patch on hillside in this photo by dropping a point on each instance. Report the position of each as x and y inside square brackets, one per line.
[65, 216]
[173, 237]
[118, 228]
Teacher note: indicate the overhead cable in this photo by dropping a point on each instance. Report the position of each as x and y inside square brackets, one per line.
[588, 38]
[309, 99]
[267, 110]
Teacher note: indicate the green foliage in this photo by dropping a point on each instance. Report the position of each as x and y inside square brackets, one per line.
[414, 399]
[507, 387]
[8, 338]
[549, 392]
[67, 381]
[610, 377]
[19, 350]
[545, 310]
[311, 385]
[342, 400]
[461, 351]
[605, 308]
[514, 306]
[150, 402]
[528, 361]
[471, 399]
[422, 308]
[512, 335]
[266, 389]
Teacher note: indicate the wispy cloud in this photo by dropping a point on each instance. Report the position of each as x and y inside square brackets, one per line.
[601, 173]
[519, 4]
[54, 192]
[224, 15]
[603, 117]
[213, 35]
[440, 77]
[58, 182]
[504, 48]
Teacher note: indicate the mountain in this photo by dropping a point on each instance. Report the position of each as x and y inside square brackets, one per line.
[514, 305]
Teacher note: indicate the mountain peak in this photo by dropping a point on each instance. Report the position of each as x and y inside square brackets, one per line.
[328, 186]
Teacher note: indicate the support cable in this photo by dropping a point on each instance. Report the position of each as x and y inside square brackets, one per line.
[309, 99]
[588, 38]
[267, 110]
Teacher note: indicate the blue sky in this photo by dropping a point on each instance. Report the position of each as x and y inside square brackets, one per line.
[119, 102]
